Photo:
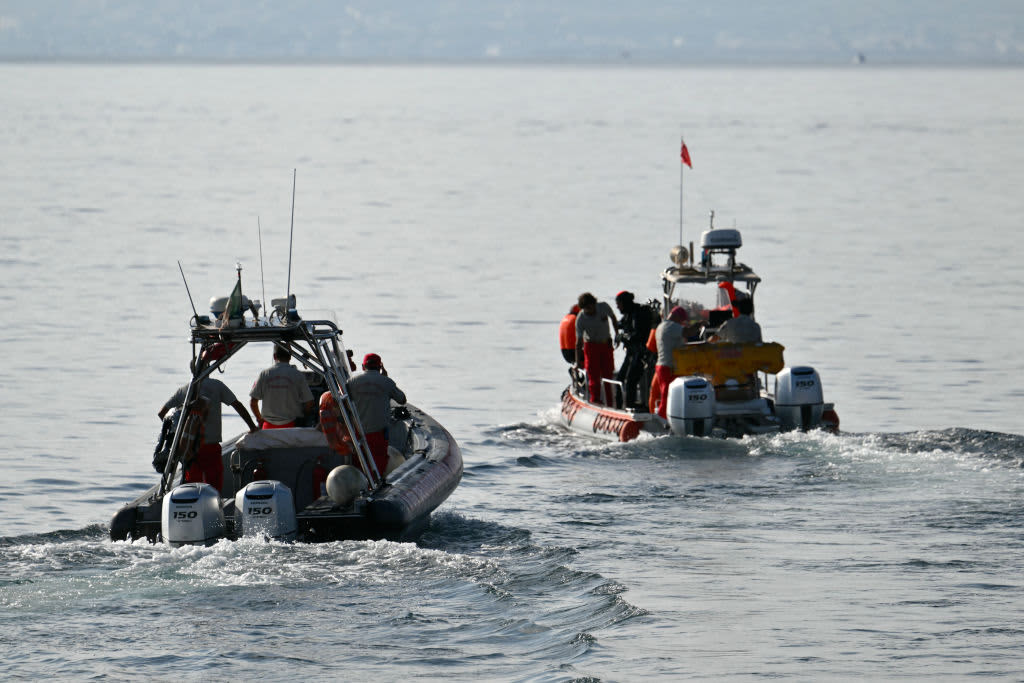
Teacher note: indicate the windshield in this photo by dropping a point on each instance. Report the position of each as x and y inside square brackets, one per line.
[701, 299]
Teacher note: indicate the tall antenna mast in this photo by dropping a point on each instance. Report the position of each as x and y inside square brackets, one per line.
[187, 291]
[263, 282]
[291, 234]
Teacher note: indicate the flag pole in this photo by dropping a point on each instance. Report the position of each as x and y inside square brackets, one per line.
[681, 196]
[684, 155]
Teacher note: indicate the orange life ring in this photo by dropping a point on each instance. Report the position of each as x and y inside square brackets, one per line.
[333, 428]
[567, 332]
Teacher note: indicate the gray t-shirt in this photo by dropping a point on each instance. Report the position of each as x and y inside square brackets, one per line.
[670, 336]
[283, 389]
[216, 393]
[597, 327]
[371, 395]
[741, 330]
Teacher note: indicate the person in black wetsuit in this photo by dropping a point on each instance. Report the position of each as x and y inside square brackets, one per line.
[634, 329]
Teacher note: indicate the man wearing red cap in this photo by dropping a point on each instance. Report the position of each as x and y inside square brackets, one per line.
[670, 334]
[372, 392]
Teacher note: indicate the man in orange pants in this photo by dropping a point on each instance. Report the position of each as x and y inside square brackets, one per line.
[670, 335]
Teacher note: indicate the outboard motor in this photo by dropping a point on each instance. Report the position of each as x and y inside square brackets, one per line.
[192, 515]
[265, 508]
[799, 401]
[691, 406]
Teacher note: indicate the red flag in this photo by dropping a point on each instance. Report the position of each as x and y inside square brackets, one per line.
[685, 154]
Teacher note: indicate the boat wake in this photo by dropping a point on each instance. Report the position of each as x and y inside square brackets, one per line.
[551, 444]
[996, 446]
[466, 586]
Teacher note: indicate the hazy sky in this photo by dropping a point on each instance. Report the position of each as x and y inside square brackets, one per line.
[730, 31]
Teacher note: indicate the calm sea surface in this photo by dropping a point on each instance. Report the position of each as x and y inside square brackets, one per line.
[449, 216]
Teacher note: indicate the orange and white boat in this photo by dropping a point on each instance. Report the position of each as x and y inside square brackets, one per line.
[720, 389]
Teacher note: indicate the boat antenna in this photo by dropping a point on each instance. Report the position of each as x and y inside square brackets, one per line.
[291, 235]
[187, 291]
[259, 237]
[684, 154]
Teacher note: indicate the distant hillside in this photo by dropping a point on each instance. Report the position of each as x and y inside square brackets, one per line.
[719, 31]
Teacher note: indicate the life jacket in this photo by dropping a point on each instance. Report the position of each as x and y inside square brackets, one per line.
[333, 428]
[730, 289]
[567, 332]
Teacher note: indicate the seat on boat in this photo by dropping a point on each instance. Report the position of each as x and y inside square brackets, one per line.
[288, 455]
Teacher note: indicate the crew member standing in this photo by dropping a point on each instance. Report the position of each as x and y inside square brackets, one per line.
[284, 391]
[594, 349]
[634, 327]
[372, 392]
[670, 335]
[207, 465]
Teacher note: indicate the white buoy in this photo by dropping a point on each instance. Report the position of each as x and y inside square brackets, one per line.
[344, 483]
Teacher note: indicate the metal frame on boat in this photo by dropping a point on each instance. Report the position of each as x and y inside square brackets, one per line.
[720, 389]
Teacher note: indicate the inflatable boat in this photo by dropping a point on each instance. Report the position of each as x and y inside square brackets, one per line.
[719, 388]
[312, 482]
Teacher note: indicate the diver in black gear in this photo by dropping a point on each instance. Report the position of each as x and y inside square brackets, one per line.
[635, 327]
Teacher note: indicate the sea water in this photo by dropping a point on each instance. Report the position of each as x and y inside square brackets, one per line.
[448, 217]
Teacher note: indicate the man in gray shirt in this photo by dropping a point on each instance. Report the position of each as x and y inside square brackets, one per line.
[742, 329]
[372, 392]
[284, 392]
[207, 465]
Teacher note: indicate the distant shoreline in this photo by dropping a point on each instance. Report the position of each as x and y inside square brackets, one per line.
[506, 62]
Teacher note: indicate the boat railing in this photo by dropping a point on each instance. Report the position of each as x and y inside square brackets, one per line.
[618, 391]
[579, 380]
[348, 413]
[579, 385]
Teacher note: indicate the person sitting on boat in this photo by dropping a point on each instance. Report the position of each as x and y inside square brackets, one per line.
[567, 334]
[372, 392]
[594, 351]
[670, 335]
[284, 391]
[207, 465]
[634, 328]
[742, 329]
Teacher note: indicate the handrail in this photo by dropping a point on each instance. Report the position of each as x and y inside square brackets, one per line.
[348, 413]
[613, 383]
